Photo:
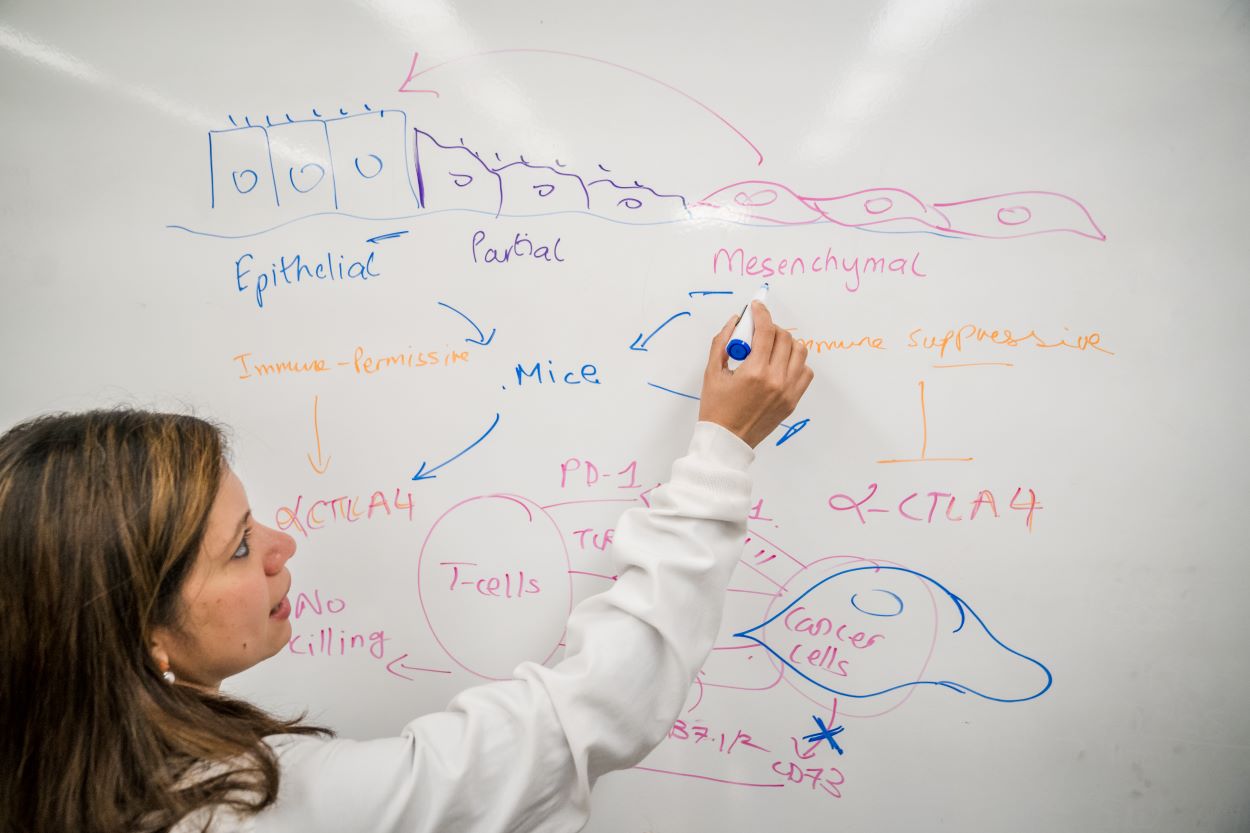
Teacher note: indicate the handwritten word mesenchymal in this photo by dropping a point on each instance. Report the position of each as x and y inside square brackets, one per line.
[300, 270]
[745, 264]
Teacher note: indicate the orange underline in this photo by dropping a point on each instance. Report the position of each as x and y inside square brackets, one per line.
[930, 460]
[977, 364]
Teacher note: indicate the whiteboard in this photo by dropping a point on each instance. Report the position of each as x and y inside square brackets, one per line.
[995, 549]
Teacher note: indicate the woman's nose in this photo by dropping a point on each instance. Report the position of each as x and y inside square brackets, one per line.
[281, 550]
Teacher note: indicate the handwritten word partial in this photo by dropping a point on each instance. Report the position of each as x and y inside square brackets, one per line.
[520, 247]
[334, 268]
[698, 733]
[957, 340]
[941, 506]
[362, 363]
[319, 513]
[766, 266]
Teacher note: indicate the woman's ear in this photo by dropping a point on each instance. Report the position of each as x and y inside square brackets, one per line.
[157, 647]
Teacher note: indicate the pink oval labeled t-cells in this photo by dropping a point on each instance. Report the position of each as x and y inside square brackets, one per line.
[494, 585]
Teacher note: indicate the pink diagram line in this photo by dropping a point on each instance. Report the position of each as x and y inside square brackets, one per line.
[601, 500]
[411, 69]
[411, 75]
[705, 777]
[596, 575]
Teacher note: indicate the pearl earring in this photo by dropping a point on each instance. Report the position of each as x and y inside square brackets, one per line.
[166, 673]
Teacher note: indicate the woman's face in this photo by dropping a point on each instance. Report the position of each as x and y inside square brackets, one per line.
[235, 608]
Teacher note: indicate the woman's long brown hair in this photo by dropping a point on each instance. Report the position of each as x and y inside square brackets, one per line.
[101, 518]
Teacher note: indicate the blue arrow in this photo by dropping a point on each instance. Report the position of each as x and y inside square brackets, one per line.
[642, 348]
[380, 237]
[481, 339]
[423, 474]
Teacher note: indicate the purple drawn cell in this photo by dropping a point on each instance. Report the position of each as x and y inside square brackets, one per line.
[452, 176]
[634, 203]
[538, 189]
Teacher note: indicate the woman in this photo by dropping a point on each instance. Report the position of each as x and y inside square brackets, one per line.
[134, 579]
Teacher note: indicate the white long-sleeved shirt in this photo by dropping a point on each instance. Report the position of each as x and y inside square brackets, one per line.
[523, 754]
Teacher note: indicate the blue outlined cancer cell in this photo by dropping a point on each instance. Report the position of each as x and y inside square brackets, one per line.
[868, 631]
[371, 164]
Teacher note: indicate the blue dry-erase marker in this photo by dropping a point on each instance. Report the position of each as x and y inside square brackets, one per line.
[739, 346]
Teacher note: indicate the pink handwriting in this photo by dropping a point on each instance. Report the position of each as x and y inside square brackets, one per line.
[319, 513]
[745, 264]
[331, 642]
[797, 622]
[697, 733]
[936, 505]
[576, 471]
[505, 587]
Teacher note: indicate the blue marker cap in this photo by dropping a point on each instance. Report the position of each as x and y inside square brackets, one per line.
[738, 349]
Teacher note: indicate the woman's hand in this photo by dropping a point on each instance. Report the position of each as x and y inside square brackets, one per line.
[753, 399]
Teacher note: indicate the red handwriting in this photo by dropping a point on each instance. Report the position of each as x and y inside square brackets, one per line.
[935, 505]
[750, 265]
[830, 779]
[599, 541]
[575, 470]
[331, 642]
[797, 622]
[313, 604]
[318, 513]
[825, 658]
[698, 733]
[507, 586]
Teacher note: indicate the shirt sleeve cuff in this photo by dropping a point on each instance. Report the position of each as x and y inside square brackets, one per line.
[715, 442]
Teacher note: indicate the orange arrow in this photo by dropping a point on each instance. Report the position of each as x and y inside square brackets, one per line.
[319, 467]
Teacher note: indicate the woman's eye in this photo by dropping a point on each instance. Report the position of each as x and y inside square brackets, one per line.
[244, 549]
